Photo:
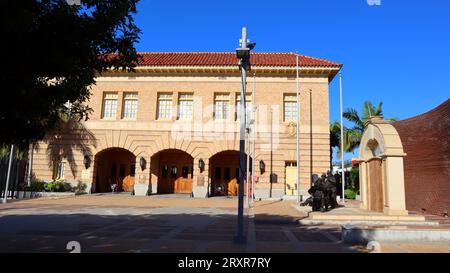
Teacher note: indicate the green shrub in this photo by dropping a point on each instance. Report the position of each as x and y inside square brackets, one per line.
[350, 194]
[53, 186]
[58, 186]
[36, 186]
[354, 177]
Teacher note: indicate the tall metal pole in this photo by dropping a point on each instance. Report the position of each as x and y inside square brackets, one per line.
[253, 137]
[248, 168]
[8, 174]
[342, 141]
[30, 164]
[298, 130]
[240, 238]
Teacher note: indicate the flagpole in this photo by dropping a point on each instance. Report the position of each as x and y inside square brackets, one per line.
[8, 175]
[253, 136]
[298, 129]
[342, 141]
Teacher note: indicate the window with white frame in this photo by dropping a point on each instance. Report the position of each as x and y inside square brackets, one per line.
[221, 106]
[165, 103]
[109, 105]
[185, 106]
[290, 108]
[59, 170]
[130, 105]
[248, 103]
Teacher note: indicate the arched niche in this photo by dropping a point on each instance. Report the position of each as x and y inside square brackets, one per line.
[381, 168]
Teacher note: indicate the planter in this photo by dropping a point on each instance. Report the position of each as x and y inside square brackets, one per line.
[30, 194]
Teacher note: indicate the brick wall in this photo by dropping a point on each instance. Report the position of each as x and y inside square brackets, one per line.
[426, 141]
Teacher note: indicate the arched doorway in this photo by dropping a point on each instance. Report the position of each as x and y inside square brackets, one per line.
[224, 172]
[115, 170]
[174, 169]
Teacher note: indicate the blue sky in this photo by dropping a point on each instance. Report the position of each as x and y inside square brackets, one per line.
[397, 52]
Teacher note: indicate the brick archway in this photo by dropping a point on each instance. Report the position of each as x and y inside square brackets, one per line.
[174, 170]
[224, 172]
[114, 170]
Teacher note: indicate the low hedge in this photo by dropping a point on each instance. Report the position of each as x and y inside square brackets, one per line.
[53, 186]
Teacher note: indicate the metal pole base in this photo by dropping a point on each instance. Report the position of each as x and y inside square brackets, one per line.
[239, 239]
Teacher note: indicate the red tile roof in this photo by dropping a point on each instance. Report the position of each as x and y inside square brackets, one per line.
[229, 59]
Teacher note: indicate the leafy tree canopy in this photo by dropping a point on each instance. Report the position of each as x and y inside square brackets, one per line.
[53, 49]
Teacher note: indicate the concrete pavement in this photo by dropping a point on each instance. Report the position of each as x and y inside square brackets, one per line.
[124, 223]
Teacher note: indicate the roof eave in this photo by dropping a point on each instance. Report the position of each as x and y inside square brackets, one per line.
[330, 71]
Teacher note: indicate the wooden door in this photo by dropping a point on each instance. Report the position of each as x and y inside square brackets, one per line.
[175, 173]
[291, 178]
[164, 185]
[375, 185]
[219, 185]
[183, 183]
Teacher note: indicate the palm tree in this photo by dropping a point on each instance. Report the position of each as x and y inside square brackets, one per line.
[352, 136]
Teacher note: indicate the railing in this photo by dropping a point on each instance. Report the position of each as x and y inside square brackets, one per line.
[17, 175]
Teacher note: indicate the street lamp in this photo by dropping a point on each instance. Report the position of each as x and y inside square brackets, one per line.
[201, 164]
[87, 161]
[262, 166]
[143, 163]
[243, 54]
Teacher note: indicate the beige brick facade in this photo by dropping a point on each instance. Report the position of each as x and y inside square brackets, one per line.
[203, 136]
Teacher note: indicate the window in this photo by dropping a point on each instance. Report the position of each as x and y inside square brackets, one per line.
[227, 174]
[165, 171]
[173, 171]
[248, 103]
[217, 173]
[59, 171]
[109, 105]
[185, 106]
[185, 172]
[221, 106]
[290, 108]
[113, 170]
[122, 170]
[165, 106]
[130, 105]
[291, 164]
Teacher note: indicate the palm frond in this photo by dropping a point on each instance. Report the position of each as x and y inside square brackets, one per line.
[352, 115]
[379, 110]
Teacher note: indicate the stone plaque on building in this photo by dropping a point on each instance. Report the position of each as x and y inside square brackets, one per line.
[86, 175]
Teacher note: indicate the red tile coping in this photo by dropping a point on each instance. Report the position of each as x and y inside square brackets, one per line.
[270, 59]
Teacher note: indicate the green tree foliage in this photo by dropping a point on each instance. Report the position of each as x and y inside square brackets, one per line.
[52, 52]
[352, 136]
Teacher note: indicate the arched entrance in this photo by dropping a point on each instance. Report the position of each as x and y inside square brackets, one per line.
[174, 169]
[224, 172]
[114, 170]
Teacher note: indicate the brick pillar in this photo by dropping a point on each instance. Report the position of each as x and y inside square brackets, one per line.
[200, 181]
[142, 176]
[395, 203]
[363, 184]
[87, 178]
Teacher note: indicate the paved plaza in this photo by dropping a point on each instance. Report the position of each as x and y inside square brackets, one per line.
[171, 223]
